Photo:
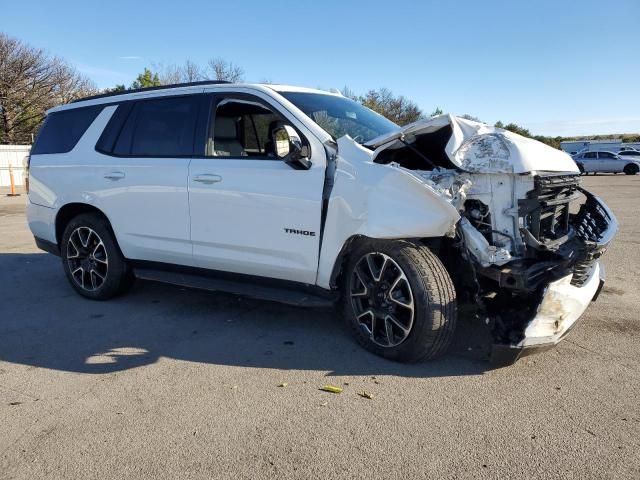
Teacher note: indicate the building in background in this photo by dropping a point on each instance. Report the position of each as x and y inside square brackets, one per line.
[13, 156]
[612, 145]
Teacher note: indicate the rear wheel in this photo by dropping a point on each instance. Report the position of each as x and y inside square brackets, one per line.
[399, 300]
[631, 169]
[92, 259]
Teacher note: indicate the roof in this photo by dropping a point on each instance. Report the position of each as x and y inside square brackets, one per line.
[291, 88]
[185, 88]
[148, 89]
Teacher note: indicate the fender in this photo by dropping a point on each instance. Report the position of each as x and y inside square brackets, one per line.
[378, 201]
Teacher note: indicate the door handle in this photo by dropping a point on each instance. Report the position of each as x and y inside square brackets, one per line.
[114, 176]
[207, 178]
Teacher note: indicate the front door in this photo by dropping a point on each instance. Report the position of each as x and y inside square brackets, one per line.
[252, 213]
[608, 162]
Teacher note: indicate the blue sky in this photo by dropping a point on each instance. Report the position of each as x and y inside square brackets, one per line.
[555, 67]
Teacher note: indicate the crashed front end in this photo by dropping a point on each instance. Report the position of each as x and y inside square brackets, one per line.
[535, 299]
[531, 235]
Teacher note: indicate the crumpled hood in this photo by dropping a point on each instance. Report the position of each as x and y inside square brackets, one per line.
[479, 148]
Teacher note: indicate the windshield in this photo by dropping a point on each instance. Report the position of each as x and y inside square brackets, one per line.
[341, 116]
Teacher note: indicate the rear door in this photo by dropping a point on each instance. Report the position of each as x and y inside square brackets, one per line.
[590, 161]
[252, 213]
[142, 176]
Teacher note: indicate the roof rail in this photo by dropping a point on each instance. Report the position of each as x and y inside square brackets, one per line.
[148, 89]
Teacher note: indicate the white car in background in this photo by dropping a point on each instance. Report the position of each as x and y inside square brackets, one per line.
[630, 154]
[607, 162]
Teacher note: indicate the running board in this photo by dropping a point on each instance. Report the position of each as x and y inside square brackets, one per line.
[298, 295]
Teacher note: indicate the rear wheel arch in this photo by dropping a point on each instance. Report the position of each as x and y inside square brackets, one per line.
[631, 168]
[70, 211]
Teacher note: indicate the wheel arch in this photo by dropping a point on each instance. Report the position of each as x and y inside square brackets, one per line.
[71, 210]
[352, 242]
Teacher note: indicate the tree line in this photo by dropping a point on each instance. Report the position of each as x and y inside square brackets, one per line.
[32, 81]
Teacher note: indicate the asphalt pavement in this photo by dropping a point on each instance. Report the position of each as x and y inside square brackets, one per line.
[172, 383]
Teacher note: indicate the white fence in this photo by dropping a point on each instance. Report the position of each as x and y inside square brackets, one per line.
[12, 156]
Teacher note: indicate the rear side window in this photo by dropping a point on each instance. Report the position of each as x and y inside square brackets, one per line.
[62, 130]
[162, 127]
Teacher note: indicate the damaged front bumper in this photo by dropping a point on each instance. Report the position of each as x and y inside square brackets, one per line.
[565, 299]
[561, 306]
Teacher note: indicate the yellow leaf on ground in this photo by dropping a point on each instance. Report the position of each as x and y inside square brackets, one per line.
[331, 389]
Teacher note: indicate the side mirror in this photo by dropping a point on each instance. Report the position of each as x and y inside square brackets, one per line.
[288, 147]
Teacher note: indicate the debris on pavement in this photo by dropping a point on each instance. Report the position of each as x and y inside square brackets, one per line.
[283, 384]
[331, 389]
[365, 394]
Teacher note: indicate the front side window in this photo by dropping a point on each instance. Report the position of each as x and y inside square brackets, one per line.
[340, 116]
[242, 126]
[606, 155]
[590, 155]
[161, 127]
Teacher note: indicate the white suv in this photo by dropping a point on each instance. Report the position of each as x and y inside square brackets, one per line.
[307, 197]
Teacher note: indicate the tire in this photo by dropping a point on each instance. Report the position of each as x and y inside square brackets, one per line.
[411, 274]
[631, 169]
[92, 260]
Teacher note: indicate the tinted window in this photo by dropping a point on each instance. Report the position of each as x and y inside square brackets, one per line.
[606, 155]
[107, 140]
[162, 127]
[590, 155]
[241, 126]
[62, 130]
[629, 152]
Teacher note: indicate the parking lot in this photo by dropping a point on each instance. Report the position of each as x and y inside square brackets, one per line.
[185, 384]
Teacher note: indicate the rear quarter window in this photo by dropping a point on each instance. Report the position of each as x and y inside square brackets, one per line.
[61, 131]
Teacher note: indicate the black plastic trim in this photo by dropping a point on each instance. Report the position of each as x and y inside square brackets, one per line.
[47, 246]
[263, 288]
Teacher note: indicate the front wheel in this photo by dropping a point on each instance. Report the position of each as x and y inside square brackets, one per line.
[631, 169]
[399, 300]
[92, 260]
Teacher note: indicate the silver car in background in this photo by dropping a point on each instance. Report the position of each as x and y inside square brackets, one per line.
[607, 162]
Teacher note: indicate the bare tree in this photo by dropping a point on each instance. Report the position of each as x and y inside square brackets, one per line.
[221, 69]
[191, 72]
[168, 74]
[31, 82]
[347, 92]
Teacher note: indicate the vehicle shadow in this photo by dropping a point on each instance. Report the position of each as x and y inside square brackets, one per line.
[44, 323]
